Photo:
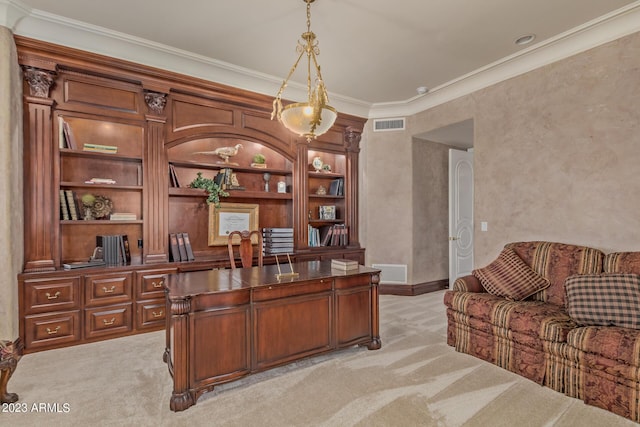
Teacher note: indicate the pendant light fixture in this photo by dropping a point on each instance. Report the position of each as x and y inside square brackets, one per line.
[313, 117]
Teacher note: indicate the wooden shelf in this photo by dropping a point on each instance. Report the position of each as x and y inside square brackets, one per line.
[100, 222]
[102, 186]
[233, 194]
[97, 155]
[218, 166]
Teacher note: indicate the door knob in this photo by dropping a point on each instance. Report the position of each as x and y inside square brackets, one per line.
[454, 238]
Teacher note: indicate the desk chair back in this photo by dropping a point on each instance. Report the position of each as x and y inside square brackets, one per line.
[245, 248]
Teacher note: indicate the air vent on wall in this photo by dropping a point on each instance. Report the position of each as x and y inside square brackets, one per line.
[383, 125]
[392, 273]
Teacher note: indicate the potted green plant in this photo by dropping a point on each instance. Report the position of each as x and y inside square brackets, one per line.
[214, 191]
[259, 161]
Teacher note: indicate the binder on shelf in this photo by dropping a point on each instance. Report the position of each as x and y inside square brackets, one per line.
[187, 246]
[182, 248]
[71, 203]
[173, 177]
[68, 134]
[127, 251]
[336, 188]
[64, 209]
[173, 244]
[115, 249]
[62, 142]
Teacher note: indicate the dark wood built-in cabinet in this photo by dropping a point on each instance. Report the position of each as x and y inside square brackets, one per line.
[154, 121]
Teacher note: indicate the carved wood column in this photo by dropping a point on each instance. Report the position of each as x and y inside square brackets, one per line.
[301, 190]
[352, 138]
[376, 342]
[181, 398]
[156, 177]
[40, 227]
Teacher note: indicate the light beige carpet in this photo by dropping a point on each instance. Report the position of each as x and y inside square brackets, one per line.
[414, 380]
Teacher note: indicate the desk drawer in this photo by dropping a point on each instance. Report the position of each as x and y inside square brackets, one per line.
[353, 281]
[270, 292]
[102, 289]
[150, 284]
[48, 295]
[107, 320]
[150, 314]
[51, 329]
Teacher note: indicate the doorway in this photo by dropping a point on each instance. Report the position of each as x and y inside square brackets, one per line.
[458, 250]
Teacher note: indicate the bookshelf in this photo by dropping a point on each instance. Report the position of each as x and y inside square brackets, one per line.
[137, 137]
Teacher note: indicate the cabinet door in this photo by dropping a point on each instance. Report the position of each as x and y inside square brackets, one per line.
[353, 310]
[292, 327]
[220, 345]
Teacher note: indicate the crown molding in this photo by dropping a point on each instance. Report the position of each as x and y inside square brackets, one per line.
[11, 12]
[604, 29]
[36, 24]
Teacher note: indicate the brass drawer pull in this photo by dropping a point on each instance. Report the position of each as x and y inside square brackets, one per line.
[54, 296]
[109, 322]
[156, 315]
[109, 291]
[158, 285]
[55, 331]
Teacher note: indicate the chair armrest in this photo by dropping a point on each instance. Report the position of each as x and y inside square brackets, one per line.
[468, 283]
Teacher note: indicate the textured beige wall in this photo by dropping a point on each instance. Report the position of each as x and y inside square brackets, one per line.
[11, 185]
[556, 157]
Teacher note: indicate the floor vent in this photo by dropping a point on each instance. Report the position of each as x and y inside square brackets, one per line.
[392, 273]
[383, 125]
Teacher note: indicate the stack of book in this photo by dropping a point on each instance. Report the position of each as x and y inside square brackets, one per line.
[277, 240]
[123, 216]
[100, 148]
[344, 264]
[100, 181]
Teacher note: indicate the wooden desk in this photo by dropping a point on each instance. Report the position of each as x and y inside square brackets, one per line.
[225, 324]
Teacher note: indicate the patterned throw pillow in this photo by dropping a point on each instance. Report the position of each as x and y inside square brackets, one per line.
[510, 277]
[610, 299]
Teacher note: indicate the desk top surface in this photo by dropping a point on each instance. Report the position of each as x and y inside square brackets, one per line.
[213, 281]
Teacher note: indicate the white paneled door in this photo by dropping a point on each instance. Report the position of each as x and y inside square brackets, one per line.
[460, 214]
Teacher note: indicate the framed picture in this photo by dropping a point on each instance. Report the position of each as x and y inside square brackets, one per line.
[327, 212]
[231, 217]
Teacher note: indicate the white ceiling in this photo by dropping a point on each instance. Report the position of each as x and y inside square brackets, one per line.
[371, 51]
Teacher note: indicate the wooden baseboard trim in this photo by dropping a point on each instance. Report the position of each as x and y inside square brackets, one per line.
[412, 290]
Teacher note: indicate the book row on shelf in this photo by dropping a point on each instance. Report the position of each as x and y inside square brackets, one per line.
[73, 207]
[328, 235]
[110, 250]
[181, 249]
[336, 188]
[66, 139]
